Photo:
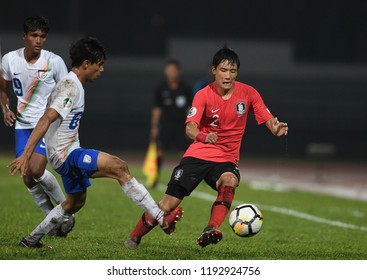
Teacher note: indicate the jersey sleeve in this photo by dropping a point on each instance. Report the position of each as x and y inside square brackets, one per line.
[261, 112]
[197, 109]
[61, 69]
[5, 69]
[63, 97]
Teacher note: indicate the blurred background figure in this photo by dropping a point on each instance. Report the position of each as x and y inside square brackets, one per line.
[203, 81]
[172, 99]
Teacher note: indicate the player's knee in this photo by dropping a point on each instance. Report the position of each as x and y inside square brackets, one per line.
[73, 207]
[120, 167]
[36, 171]
[228, 179]
[29, 181]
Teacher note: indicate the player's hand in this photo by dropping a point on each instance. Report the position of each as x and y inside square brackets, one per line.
[9, 118]
[212, 137]
[19, 164]
[279, 128]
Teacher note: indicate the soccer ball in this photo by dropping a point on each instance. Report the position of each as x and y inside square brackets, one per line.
[246, 220]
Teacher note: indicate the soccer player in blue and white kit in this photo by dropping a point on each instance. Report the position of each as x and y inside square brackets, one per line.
[33, 72]
[60, 125]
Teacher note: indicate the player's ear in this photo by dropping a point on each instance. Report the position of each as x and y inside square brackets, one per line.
[213, 70]
[86, 64]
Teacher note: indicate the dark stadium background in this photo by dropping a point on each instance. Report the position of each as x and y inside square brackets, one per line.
[307, 58]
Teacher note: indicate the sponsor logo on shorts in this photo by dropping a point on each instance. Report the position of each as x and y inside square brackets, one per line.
[241, 108]
[178, 174]
[87, 159]
[192, 112]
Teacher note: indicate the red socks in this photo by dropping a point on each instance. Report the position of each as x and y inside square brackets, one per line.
[219, 211]
[145, 224]
[221, 205]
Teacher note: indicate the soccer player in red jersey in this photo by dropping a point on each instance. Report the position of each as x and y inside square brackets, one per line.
[216, 123]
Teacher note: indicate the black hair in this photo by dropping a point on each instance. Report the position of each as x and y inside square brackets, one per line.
[87, 48]
[226, 54]
[173, 62]
[35, 23]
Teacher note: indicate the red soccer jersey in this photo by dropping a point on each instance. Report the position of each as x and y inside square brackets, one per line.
[225, 117]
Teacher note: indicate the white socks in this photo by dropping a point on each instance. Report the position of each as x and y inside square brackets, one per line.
[51, 186]
[141, 197]
[54, 219]
[41, 198]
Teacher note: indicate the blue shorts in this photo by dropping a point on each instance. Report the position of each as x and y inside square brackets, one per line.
[77, 169]
[21, 139]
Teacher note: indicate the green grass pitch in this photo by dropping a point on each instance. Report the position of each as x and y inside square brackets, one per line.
[297, 226]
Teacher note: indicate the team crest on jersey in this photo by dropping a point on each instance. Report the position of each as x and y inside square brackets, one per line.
[241, 108]
[87, 159]
[178, 174]
[42, 74]
[67, 102]
[192, 112]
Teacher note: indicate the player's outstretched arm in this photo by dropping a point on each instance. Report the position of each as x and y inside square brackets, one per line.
[21, 163]
[276, 127]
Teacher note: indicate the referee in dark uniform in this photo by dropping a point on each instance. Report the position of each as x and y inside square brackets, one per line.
[172, 100]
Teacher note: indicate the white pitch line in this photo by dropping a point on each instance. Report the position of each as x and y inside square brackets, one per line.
[289, 212]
